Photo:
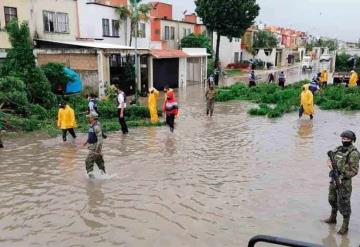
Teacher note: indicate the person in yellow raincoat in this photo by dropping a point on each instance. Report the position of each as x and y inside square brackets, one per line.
[353, 79]
[152, 104]
[306, 102]
[66, 120]
[324, 78]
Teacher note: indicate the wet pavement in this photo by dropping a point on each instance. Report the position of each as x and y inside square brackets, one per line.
[214, 182]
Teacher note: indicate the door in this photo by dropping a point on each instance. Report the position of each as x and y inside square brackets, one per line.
[166, 72]
[194, 70]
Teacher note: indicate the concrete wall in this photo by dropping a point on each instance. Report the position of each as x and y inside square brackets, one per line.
[271, 58]
[23, 13]
[182, 72]
[227, 49]
[90, 22]
[64, 6]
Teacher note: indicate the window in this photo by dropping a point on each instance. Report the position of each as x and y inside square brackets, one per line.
[184, 32]
[236, 39]
[10, 13]
[188, 31]
[167, 33]
[115, 28]
[172, 37]
[142, 30]
[56, 22]
[236, 57]
[106, 27]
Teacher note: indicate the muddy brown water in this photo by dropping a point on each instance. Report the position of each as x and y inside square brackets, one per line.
[214, 182]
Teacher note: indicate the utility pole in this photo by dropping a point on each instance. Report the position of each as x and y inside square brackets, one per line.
[137, 81]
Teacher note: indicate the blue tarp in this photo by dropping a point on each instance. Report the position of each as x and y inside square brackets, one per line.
[74, 86]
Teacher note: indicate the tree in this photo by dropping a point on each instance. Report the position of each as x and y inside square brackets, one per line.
[20, 63]
[228, 18]
[20, 58]
[135, 13]
[197, 41]
[265, 40]
[57, 77]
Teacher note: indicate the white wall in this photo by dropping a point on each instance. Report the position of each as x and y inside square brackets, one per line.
[182, 72]
[227, 50]
[144, 42]
[64, 6]
[267, 58]
[90, 22]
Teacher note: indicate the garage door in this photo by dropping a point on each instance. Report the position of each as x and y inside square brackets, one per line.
[193, 70]
[166, 72]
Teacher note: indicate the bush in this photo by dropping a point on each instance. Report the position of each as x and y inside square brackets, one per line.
[57, 77]
[13, 94]
[38, 112]
[87, 90]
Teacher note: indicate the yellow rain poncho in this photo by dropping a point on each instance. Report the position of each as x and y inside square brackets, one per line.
[307, 101]
[66, 118]
[152, 104]
[353, 79]
[324, 76]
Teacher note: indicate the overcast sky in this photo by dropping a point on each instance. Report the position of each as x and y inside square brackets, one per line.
[333, 18]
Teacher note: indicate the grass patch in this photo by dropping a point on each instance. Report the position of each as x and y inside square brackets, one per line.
[287, 100]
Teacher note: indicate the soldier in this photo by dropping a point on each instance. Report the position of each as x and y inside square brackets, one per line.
[347, 160]
[95, 141]
[210, 100]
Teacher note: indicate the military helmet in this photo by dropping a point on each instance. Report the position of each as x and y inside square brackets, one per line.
[349, 134]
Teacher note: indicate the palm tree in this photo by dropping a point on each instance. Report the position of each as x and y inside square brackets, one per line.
[135, 13]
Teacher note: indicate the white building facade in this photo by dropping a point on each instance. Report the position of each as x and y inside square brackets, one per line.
[229, 51]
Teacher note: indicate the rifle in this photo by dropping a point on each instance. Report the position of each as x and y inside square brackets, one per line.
[334, 173]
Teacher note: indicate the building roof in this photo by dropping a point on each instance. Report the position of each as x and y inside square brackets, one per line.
[167, 53]
[90, 44]
[178, 21]
[196, 52]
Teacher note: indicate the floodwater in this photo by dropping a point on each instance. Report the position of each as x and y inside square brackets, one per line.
[214, 182]
[293, 74]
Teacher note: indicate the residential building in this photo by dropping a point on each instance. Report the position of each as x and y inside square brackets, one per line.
[9, 9]
[230, 50]
[166, 32]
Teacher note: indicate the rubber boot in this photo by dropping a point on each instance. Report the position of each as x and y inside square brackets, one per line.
[345, 226]
[332, 218]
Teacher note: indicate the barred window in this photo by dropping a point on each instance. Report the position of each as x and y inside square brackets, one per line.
[115, 28]
[172, 37]
[167, 33]
[56, 22]
[10, 13]
[142, 30]
[106, 27]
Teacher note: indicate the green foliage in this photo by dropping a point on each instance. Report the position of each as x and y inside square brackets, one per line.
[344, 63]
[265, 40]
[332, 44]
[56, 75]
[275, 102]
[227, 18]
[38, 88]
[210, 67]
[197, 41]
[38, 112]
[135, 13]
[87, 90]
[13, 94]
[20, 58]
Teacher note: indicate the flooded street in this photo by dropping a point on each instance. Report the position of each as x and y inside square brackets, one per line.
[214, 182]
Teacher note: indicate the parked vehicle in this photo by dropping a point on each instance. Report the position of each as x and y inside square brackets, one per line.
[325, 57]
[307, 63]
[341, 77]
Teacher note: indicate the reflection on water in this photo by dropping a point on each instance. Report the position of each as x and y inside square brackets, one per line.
[213, 182]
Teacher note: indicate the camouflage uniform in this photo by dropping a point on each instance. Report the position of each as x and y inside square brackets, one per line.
[210, 101]
[347, 160]
[95, 141]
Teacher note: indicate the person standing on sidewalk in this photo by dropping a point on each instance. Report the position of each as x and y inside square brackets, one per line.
[95, 143]
[121, 99]
[210, 100]
[282, 79]
[171, 109]
[66, 120]
[252, 79]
